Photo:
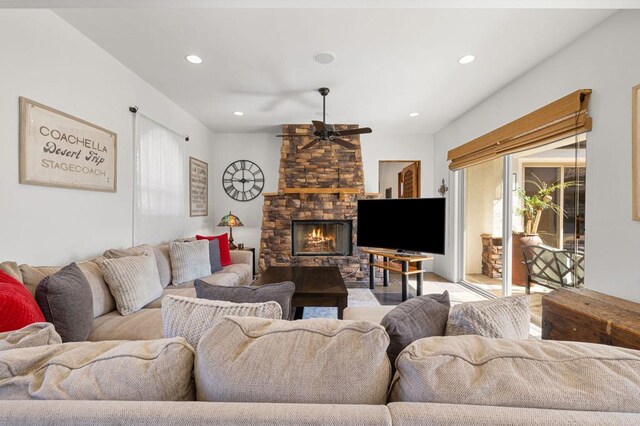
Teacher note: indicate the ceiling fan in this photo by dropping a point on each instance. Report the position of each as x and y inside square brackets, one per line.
[327, 132]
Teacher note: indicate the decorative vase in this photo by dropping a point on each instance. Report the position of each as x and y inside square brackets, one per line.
[518, 268]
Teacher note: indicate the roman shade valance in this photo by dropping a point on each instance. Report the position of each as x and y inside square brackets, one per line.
[565, 117]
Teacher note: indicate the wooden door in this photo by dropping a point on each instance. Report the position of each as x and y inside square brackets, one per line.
[409, 181]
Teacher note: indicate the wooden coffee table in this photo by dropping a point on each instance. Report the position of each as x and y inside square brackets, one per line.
[315, 286]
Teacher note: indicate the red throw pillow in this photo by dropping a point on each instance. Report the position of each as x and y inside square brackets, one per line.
[223, 241]
[17, 307]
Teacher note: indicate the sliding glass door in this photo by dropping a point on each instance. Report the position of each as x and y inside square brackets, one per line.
[531, 198]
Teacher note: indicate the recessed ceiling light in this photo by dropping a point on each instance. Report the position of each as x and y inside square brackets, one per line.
[414, 114]
[238, 113]
[194, 59]
[466, 59]
[324, 57]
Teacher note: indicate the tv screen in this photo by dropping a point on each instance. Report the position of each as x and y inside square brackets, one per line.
[406, 224]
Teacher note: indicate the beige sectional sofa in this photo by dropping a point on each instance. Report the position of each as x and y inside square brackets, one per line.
[461, 380]
[145, 324]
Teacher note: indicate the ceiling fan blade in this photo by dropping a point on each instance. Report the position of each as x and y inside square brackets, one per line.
[319, 125]
[310, 144]
[297, 135]
[344, 143]
[348, 132]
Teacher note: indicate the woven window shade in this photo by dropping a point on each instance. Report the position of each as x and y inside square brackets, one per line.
[565, 117]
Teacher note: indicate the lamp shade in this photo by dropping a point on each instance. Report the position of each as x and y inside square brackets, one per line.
[230, 220]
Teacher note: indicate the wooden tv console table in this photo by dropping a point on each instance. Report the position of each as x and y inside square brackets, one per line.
[398, 262]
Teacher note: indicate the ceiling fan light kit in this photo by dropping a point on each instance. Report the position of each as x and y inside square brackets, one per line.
[327, 132]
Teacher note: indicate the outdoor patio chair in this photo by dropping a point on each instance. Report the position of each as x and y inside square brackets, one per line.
[553, 267]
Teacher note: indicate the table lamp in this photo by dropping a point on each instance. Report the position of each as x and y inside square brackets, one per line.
[231, 221]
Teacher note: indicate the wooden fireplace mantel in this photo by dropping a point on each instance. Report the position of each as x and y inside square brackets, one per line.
[341, 192]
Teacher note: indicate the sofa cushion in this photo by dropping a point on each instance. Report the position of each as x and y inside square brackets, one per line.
[504, 318]
[66, 301]
[131, 251]
[146, 324]
[133, 281]
[416, 318]
[319, 361]
[36, 334]
[166, 413]
[164, 271]
[176, 291]
[223, 241]
[12, 269]
[103, 300]
[189, 260]
[518, 373]
[367, 313]
[278, 292]
[191, 318]
[163, 260]
[242, 270]
[17, 307]
[158, 370]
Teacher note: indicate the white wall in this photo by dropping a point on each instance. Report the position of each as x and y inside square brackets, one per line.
[264, 150]
[47, 60]
[606, 60]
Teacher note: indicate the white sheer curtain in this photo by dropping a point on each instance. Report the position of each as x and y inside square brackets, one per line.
[159, 195]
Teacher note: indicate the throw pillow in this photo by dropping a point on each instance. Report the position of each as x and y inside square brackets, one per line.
[66, 301]
[279, 292]
[315, 361]
[36, 334]
[12, 269]
[133, 280]
[17, 307]
[162, 260]
[223, 241]
[504, 318]
[417, 318]
[144, 370]
[189, 261]
[214, 256]
[191, 318]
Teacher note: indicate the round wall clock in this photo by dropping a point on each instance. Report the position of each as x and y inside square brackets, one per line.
[243, 180]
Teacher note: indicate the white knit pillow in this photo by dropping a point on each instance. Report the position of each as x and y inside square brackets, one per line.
[191, 318]
[505, 318]
[189, 260]
[134, 281]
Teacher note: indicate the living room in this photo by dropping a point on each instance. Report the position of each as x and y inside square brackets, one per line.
[222, 80]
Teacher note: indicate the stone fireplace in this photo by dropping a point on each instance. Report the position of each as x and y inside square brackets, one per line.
[312, 219]
[321, 237]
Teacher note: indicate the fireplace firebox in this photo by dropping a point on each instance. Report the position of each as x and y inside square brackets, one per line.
[321, 237]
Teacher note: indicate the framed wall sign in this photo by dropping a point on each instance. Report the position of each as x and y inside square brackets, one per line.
[198, 187]
[635, 154]
[58, 149]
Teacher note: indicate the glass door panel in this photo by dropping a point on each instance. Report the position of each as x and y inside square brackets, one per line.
[483, 217]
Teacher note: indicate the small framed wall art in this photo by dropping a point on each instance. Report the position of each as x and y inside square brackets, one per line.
[635, 151]
[198, 187]
[60, 150]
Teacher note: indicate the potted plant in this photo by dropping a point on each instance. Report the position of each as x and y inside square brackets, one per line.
[532, 208]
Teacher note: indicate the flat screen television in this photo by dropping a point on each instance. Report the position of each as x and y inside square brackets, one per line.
[406, 224]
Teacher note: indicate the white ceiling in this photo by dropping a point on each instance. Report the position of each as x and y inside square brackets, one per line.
[389, 62]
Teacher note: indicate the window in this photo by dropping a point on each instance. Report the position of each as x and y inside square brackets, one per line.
[159, 189]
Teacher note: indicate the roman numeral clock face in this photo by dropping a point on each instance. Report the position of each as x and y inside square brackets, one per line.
[243, 180]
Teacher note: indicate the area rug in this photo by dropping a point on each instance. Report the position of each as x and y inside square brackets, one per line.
[357, 297]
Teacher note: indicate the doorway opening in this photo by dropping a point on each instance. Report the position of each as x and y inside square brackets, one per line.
[399, 178]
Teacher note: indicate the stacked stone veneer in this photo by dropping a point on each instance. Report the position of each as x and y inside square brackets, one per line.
[325, 165]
